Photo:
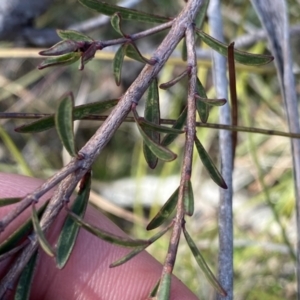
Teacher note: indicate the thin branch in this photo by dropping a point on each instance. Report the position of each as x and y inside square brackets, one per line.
[188, 155]
[61, 195]
[39, 192]
[30, 116]
[247, 40]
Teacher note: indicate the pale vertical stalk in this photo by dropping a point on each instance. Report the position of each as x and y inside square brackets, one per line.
[274, 17]
[225, 260]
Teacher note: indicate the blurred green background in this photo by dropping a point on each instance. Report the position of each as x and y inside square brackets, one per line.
[264, 211]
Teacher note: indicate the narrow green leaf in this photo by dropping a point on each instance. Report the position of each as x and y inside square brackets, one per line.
[160, 233]
[201, 14]
[202, 264]
[13, 240]
[159, 128]
[161, 152]
[202, 107]
[108, 237]
[70, 229]
[116, 23]
[15, 151]
[127, 14]
[118, 63]
[133, 52]
[73, 35]
[152, 114]
[155, 289]
[150, 157]
[172, 82]
[240, 56]
[37, 126]
[40, 234]
[127, 257]
[66, 59]
[164, 288]
[63, 47]
[188, 198]
[9, 201]
[137, 250]
[209, 165]
[164, 212]
[24, 283]
[184, 50]
[169, 138]
[79, 112]
[212, 102]
[64, 123]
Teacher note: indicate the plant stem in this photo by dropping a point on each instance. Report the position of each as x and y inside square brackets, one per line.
[95, 145]
[95, 117]
[225, 261]
[61, 195]
[188, 157]
[274, 18]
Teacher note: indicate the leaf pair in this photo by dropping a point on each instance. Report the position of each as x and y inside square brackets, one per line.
[64, 119]
[167, 209]
[74, 46]
[69, 232]
[79, 112]
[65, 243]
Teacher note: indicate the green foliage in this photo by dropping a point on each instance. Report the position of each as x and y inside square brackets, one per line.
[160, 151]
[188, 198]
[78, 46]
[79, 112]
[240, 56]
[152, 114]
[70, 229]
[126, 14]
[17, 236]
[9, 201]
[40, 234]
[65, 59]
[106, 236]
[202, 264]
[64, 123]
[25, 280]
[209, 165]
[165, 212]
[72, 35]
